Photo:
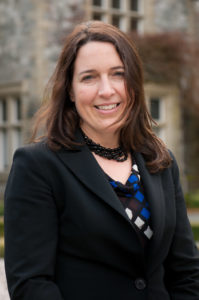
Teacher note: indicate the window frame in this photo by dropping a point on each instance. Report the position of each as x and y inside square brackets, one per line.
[159, 129]
[124, 13]
[13, 126]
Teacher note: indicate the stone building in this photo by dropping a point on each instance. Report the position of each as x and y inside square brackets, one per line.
[31, 35]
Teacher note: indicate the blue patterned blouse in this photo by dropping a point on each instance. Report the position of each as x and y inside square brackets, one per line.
[134, 202]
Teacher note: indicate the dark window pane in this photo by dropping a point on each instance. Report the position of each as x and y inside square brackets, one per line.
[116, 21]
[4, 107]
[133, 24]
[3, 110]
[155, 108]
[115, 3]
[97, 16]
[97, 2]
[5, 148]
[18, 109]
[134, 5]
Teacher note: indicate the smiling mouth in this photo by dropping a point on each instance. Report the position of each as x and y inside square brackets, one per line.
[107, 107]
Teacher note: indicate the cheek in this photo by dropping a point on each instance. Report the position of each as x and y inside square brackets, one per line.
[122, 93]
[84, 96]
[120, 88]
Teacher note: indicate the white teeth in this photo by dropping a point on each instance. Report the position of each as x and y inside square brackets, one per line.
[107, 107]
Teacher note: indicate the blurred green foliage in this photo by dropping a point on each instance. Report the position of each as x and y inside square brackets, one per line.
[1, 208]
[192, 199]
[195, 229]
[1, 237]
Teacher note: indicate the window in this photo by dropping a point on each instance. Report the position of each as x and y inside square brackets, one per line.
[18, 109]
[134, 5]
[116, 4]
[124, 14]
[11, 128]
[15, 109]
[133, 24]
[97, 16]
[16, 138]
[97, 2]
[116, 20]
[3, 134]
[4, 149]
[3, 111]
[156, 107]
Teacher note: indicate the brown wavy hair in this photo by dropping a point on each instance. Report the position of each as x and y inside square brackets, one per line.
[58, 116]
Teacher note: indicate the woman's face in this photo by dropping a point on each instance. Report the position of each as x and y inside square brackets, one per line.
[98, 88]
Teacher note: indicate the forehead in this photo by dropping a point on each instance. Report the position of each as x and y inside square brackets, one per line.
[96, 54]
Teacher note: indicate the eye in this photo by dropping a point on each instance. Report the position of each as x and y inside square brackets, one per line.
[88, 78]
[119, 74]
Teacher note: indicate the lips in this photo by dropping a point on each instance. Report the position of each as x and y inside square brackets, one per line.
[107, 107]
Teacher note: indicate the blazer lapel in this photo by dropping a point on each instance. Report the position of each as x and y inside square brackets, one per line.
[84, 166]
[154, 194]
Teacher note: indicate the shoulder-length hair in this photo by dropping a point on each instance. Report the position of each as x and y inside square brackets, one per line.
[58, 116]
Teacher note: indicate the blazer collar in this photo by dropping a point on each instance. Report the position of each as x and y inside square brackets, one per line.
[155, 196]
[84, 166]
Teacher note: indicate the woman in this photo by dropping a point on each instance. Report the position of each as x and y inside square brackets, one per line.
[94, 210]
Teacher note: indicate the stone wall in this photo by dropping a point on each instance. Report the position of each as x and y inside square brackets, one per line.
[16, 43]
[31, 35]
[32, 32]
[172, 15]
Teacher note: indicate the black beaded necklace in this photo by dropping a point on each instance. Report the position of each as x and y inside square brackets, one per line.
[117, 154]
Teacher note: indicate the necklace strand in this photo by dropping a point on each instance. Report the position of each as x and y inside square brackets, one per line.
[118, 154]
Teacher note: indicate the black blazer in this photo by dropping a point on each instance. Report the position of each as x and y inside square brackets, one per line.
[67, 235]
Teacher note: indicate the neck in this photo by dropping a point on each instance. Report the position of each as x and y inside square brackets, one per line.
[112, 153]
[107, 140]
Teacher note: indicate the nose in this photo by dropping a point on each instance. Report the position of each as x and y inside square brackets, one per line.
[106, 89]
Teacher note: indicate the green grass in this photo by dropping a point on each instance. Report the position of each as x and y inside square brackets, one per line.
[1, 208]
[1, 228]
[1, 251]
[192, 200]
[195, 229]
[1, 238]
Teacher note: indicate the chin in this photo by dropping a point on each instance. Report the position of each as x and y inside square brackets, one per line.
[110, 129]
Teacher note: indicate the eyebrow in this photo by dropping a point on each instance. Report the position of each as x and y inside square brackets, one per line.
[93, 70]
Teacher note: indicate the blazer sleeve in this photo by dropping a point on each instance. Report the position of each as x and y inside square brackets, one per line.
[182, 264]
[31, 231]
